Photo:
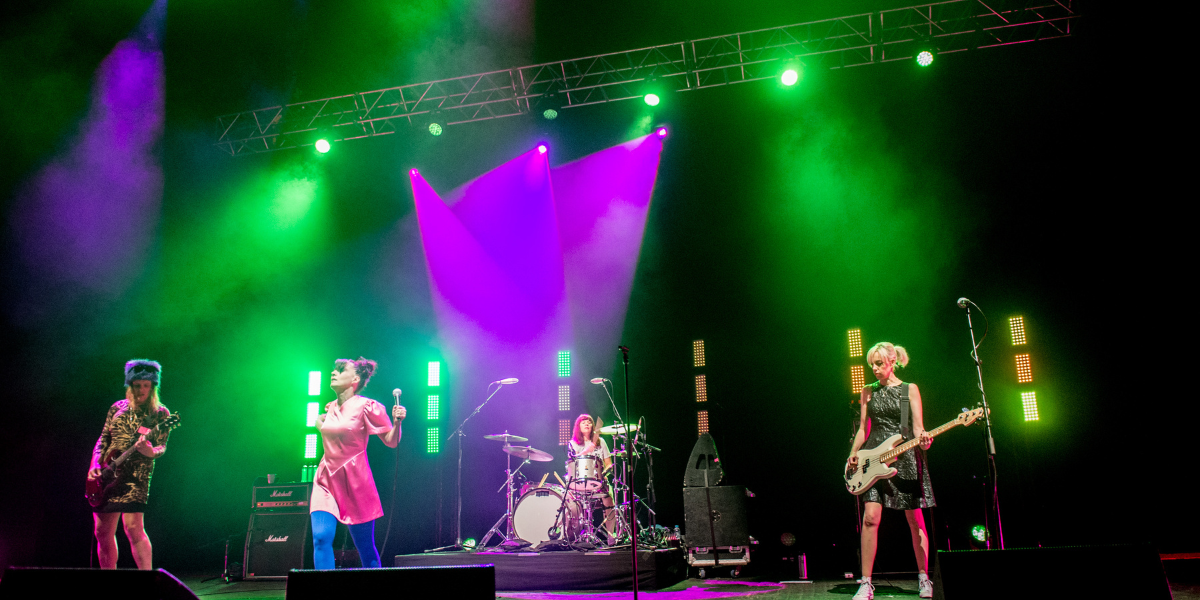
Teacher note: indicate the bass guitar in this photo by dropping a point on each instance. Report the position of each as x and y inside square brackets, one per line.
[874, 464]
[96, 490]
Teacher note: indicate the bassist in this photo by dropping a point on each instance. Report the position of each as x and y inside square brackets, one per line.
[882, 416]
[126, 425]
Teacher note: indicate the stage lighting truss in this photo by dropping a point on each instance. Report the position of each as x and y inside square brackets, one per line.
[855, 40]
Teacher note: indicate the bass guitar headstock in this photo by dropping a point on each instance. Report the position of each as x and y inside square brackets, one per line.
[968, 416]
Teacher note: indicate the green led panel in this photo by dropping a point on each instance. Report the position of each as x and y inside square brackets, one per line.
[435, 373]
[314, 409]
[1029, 403]
[1017, 326]
[855, 338]
[433, 440]
[564, 364]
[314, 383]
[433, 408]
[310, 445]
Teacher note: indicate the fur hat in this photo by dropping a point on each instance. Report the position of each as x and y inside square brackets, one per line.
[143, 369]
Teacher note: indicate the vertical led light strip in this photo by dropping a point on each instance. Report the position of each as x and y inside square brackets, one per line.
[314, 409]
[1029, 403]
[310, 446]
[314, 383]
[698, 353]
[701, 422]
[857, 379]
[699, 361]
[701, 389]
[564, 432]
[855, 338]
[1017, 326]
[433, 408]
[564, 397]
[433, 440]
[435, 373]
[564, 364]
[1024, 371]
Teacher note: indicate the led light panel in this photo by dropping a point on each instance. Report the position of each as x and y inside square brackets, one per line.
[1029, 403]
[855, 336]
[435, 373]
[701, 422]
[433, 407]
[433, 440]
[1024, 372]
[701, 389]
[698, 353]
[1017, 326]
[564, 364]
[857, 379]
[314, 383]
[310, 445]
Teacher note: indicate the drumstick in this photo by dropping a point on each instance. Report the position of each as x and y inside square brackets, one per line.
[543, 481]
[560, 481]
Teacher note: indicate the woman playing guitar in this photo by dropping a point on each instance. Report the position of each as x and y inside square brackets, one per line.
[910, 490]
[127, 425]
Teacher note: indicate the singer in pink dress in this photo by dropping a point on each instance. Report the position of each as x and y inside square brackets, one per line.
[344, 487]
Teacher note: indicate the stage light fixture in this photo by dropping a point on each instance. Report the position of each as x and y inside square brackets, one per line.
[433, 440]
[542, 148]
[652, 99]
[314, 383]
[661, 132]
[1024, 371]
[789, 77]
[314, 409]
[549, 114]
[564, 397]
[855, 338]
[925, 58]
[412, 172]
[979, 532]
[857, 379]
[701, 388]
[435, 366]
[310, 445]
[435, 129]
[1017, 326]
[1029, 404]
[564, 364]
[322, 145]
[564, 431]
[701, 422]
[698, 353]
[469, 543]
[433, 407]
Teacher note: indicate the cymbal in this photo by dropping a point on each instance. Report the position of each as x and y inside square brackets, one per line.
[505, 437]
[615, 429]
[528, 452]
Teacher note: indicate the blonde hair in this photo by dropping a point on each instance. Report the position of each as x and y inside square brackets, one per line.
[153, 397]
[891, 353]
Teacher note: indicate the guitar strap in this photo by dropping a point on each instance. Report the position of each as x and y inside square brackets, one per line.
[905, 430]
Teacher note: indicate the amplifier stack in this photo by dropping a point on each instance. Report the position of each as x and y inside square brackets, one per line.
[277, 537]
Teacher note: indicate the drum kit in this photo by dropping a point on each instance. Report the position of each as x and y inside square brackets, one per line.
[540, 513]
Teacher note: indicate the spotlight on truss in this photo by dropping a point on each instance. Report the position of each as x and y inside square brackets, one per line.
[925, 58]
[790, 76]
[652, 99]
[322, 145]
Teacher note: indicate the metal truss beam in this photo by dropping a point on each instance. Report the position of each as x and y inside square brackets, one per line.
[851, 41]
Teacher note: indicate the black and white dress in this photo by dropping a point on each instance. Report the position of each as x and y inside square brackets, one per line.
[910, 488]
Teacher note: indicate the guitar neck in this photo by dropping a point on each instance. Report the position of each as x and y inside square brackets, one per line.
[909, 445]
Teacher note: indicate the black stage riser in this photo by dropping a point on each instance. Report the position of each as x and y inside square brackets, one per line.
[1074, 572]
[468, 582]
[565, 571]
[93, 584]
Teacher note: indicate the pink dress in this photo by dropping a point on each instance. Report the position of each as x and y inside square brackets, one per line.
[344, 485]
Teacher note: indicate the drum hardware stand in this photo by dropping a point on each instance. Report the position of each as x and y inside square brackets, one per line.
[990, 443]
[510, 534]
[458, 541]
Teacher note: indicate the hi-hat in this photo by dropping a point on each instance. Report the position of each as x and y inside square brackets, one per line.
[505, 437]
[617, 429]
[528, 452]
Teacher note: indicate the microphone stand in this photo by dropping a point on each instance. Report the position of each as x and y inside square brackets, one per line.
[989, 442]
[631, 508]
[458, 545]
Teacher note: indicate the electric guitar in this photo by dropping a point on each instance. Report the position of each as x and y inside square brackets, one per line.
[96, 490]
[874, 464]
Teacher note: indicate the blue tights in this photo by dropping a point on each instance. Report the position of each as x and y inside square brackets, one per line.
[324, 526]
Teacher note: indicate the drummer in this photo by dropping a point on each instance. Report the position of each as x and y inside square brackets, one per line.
[586, 441]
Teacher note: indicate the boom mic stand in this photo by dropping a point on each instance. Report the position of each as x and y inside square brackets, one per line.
[631, 507]
[458, 545]
[990, 442]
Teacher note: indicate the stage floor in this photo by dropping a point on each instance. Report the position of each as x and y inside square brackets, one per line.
[690, 589]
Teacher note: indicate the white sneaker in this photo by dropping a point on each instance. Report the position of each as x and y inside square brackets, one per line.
[924, 588]
[866, 591]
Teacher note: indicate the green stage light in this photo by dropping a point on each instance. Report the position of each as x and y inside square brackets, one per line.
[314, 409]
[1017, 327]
[789, 77]
[550, 114]
[314, 383]
[469, 543]
[433, 440]
[322, 145]
[310, 445]
[652, 99]
[564, 364]
[433, 407]
[925, 58]
[435, 129]
[979, 532]
[435, 373]
[1029, 404]
[855, 338]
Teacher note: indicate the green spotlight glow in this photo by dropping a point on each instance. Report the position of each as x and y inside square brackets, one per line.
[652, 99]
[433, 440]
[550, 114]
[789, 77]
[435, 373]
[925, 58]
[322, 146]
[433, 407]
[979, 532]
[435, 129]
[564, 364]
[469, 543]
[314, 409]
[314, 383]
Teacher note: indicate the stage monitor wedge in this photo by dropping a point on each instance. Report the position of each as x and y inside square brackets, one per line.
[461, 582]
[38, 583]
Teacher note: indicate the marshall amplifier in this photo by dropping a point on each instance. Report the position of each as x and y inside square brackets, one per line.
[276, 543]
[288, 497]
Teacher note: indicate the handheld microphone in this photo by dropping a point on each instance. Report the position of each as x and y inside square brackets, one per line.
[598, 380]
[396, 395]
[962, 302]
[509, 381]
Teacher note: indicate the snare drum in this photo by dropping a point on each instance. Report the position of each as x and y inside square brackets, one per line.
[537, 510]
[586, 473]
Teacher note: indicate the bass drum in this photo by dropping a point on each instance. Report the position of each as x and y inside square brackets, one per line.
[537, 510]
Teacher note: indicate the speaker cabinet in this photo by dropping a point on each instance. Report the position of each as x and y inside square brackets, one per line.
[275, 544]
[1073, 572]
[94, 584]
[726, 506]
[461, 582]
